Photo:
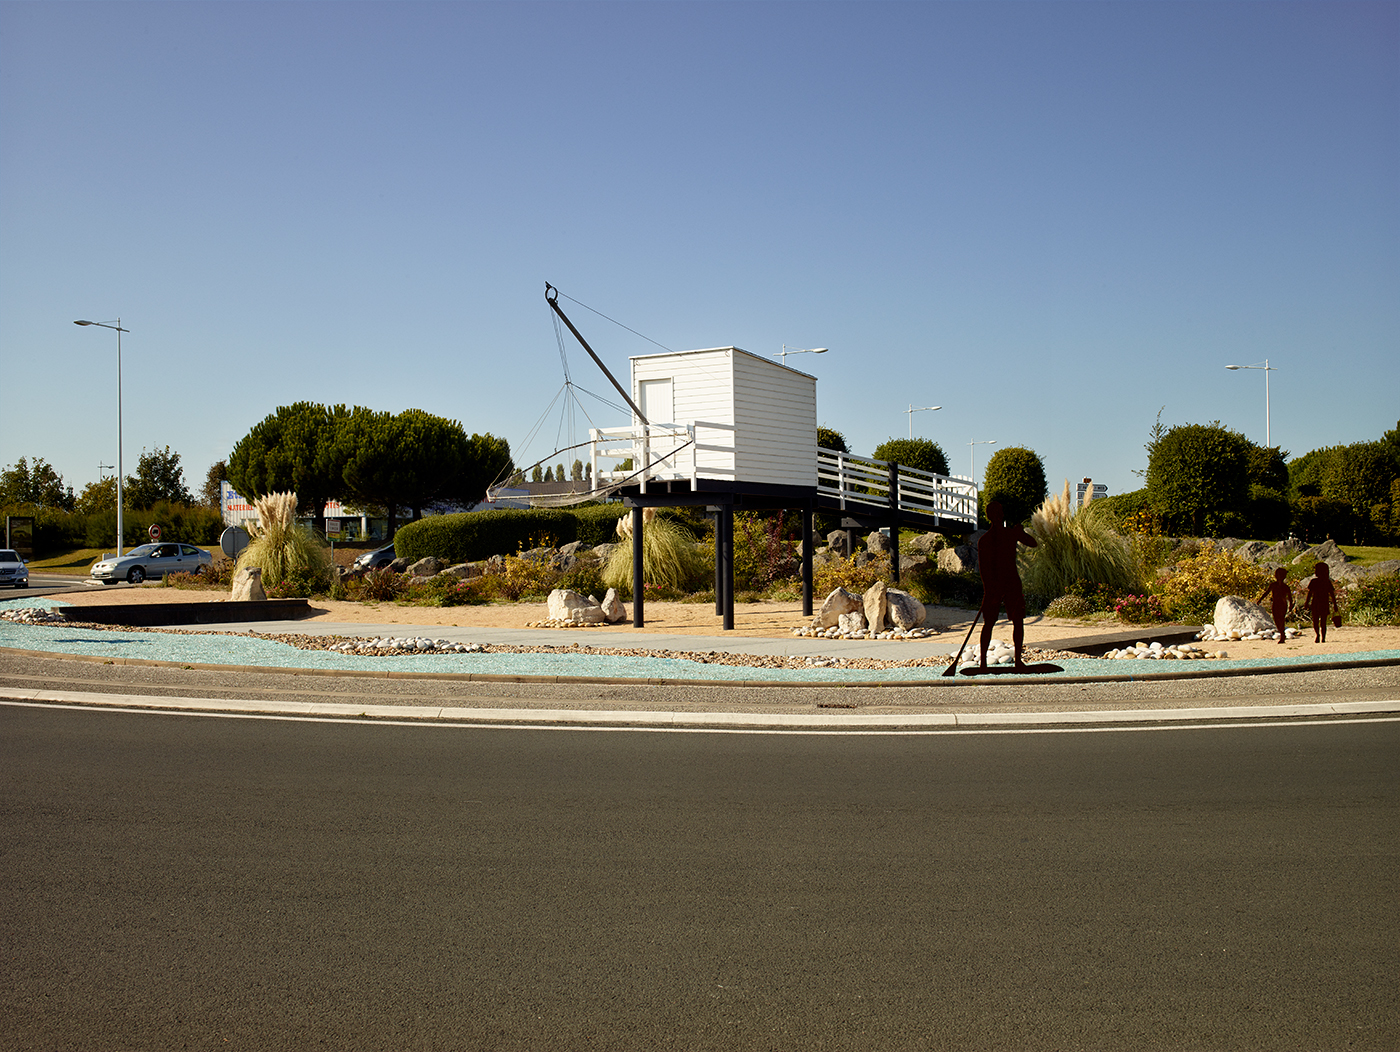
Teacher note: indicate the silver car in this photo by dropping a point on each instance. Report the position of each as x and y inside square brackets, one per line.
[12, 569]
[152, 560]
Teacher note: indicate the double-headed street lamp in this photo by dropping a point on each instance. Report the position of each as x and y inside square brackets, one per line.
[799, 350]
[1266, 368]
[972, 453]
[119, 330]
[918, 409]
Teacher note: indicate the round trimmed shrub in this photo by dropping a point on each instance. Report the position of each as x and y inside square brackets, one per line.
[1016, 477]
[918, 453]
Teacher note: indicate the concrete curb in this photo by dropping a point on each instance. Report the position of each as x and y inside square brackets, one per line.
[808, 722]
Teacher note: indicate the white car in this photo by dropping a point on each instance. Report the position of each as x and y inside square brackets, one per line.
[12, 569]
[152, 560]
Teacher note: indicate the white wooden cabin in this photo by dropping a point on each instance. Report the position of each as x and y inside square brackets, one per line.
[750, 419]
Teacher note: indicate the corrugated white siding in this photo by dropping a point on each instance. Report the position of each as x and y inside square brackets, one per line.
[773, 407]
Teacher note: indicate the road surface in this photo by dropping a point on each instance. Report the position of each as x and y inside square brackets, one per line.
[206, 882]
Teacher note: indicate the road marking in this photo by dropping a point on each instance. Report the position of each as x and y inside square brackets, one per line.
[725, 723]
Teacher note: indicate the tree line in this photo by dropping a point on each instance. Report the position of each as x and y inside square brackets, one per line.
[409, 462]
[1205, 479]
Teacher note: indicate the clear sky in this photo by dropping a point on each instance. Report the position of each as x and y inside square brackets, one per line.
[1052, 219]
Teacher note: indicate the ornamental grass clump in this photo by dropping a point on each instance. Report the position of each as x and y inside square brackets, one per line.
[292, 557]
[1073, 547]
[669, 559]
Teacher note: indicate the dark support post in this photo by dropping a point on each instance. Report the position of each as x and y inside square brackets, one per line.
[807, 562]
[637, 620]
[727, 517]
[894, 521]
[719, 561]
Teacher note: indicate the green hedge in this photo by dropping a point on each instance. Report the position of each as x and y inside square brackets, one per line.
[477, 535]
[482, 534]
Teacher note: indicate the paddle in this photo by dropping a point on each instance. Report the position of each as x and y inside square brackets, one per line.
[952, 670]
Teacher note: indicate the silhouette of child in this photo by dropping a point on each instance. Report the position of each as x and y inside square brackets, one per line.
[1001, 584]
[1320, 592]
[1281, 599]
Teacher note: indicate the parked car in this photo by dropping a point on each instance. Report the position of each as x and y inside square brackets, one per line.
[12, 569]
[152, 560]
[375, 559]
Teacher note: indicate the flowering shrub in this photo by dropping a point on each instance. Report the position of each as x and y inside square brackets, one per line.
[1069, 606]
[1374, 601]
[1190, 593]
[844, 573]
[1139, 609]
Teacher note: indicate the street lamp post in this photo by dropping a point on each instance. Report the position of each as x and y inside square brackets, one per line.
[119, 330]
[1266, 368]
[972, 454]
[799, 350]
[918, 409]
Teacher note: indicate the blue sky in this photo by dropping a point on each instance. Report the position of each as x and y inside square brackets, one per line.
[1052, 219]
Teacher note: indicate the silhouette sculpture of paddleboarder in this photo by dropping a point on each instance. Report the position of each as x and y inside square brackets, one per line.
[1001, 584]
[1281, 599]
[1320, 591]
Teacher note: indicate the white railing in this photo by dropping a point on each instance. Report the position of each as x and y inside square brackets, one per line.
[861, 483]
[662, 451]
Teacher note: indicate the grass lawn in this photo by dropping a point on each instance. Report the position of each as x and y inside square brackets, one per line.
[1364, 556]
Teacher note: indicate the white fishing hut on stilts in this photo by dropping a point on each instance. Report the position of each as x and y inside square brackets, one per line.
[728, 430]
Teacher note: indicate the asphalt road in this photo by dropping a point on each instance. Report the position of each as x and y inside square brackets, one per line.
[197, 882]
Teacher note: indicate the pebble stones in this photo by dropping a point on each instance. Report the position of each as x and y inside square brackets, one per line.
[1210, 634]
[389, 645]
[835, 633]
[33, 615]
[1154, 651]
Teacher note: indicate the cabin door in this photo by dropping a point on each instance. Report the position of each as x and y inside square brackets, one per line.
[657, 402]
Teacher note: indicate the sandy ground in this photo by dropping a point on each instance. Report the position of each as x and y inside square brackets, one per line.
[750, 620]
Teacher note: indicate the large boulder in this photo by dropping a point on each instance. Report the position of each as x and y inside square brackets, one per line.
[909, 563]
[604, 552]
[567, 605]
[928, 543]
[613, 610]
[877, 606]
[878, 543]
[839, 543]
[247, 585]
[905, 611]
[1252, 551]
[1234, 614]
[464, 571]
[430, 566]
[962, 559]
[1326, 552]
[833, 606]
[1281, 552]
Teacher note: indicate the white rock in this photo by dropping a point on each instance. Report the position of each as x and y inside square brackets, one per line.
[834, 605]
[1234, 614]
[613, 610]
[876, 604]
[904, 610]
[567, 605]
[852, 622]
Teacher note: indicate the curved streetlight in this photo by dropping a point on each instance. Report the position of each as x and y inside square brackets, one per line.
[798, 350]
[972, 452]
[119, 330]
[918, 409]
[1266, 368]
